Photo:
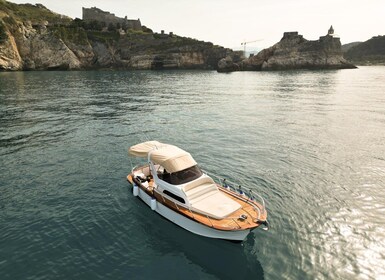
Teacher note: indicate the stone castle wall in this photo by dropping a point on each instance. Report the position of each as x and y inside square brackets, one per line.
[327, 44]
[295, 52]
[95, 14]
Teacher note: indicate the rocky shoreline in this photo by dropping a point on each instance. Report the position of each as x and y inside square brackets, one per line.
[48, 41]
[34, 38]
[293, 52]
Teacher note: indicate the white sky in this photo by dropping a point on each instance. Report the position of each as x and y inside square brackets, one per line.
[228, 22]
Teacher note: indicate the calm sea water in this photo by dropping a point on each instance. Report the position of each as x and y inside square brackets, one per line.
[312, 143]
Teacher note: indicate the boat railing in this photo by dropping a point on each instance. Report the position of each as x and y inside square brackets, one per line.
[241, 192]
[237, 189]
[178, 205]
[134, 168]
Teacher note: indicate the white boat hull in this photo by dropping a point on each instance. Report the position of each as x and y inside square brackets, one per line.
[191, 225]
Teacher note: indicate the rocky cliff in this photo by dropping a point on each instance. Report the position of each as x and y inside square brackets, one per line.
[293, 52]
[34, 38]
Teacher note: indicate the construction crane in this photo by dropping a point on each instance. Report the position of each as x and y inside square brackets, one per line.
[248, 42]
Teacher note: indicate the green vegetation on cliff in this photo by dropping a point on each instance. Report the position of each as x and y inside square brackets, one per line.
[81, 32]
[369, 52]
[348, 46]
[28, 12]
[32, 37]
[75, 35]
[3, 33]
[103, 37]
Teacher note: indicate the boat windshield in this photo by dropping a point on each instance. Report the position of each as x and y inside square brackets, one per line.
[181, 177]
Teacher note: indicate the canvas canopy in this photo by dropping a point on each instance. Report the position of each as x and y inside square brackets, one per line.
[172, 158]
[142, 149]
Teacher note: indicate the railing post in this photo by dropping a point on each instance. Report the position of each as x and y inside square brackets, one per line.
[191, 212]
[210, 221]
[176, 205]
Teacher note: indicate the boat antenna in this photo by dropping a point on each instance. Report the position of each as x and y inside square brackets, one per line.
[145, 137]
[131, 163]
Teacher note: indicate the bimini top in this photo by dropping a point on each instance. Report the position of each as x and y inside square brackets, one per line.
[172, 158]
[142, 149]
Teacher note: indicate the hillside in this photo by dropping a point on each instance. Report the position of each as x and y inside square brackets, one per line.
[34, 13]
[369, 52]
[35, 38]
[346, 47]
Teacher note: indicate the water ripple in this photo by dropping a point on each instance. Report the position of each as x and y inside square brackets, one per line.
[310, 142]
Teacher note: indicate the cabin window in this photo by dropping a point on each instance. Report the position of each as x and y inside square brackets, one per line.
[174, 196]
[183, 176]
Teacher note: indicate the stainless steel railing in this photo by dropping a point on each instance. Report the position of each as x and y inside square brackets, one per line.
[233, 189]
[238, 190]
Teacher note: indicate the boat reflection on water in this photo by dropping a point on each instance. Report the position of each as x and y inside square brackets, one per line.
[179, 254]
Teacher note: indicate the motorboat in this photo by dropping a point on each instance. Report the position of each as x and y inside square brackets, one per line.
[172, 184]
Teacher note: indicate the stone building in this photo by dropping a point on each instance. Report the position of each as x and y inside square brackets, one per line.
[95, 14]
[293, 34]
[331, 42]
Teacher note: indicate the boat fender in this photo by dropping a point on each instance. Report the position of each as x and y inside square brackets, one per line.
[153, 204]
[135, 190]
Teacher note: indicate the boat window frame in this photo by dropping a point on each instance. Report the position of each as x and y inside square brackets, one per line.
[177, 178]
[174, 196]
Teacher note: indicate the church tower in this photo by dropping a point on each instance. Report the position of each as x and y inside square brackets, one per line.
[331, 31]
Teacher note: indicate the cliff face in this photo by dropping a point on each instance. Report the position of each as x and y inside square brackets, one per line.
[29, 49]
[155, 51]
[38, 50]
[34, 38]
[9, 55]
[295, 52]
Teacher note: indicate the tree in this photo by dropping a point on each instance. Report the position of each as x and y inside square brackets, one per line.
[111, 27]
[3, 33]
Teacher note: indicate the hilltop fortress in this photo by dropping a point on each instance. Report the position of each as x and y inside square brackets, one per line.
[294, 52]
[95, 14]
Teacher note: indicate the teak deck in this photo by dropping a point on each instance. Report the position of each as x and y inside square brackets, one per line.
[232, 222]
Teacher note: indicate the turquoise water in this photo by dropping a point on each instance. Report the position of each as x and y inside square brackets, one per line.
[312, 143]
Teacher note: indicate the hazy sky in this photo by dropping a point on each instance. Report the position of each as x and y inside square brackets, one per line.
[228, 23]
